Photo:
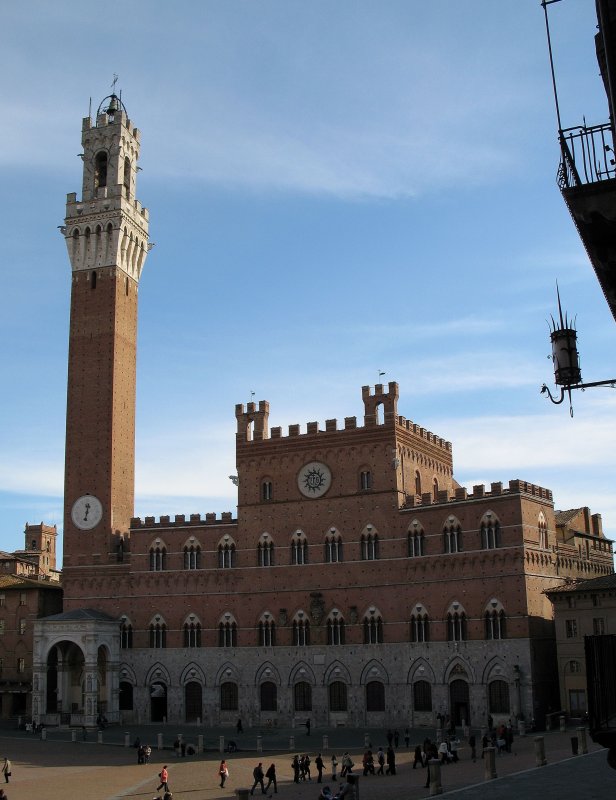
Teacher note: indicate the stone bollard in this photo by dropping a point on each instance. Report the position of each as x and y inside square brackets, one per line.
[434, 765]
[221, 744]
[242, 794]
[521, 727]
[489, 757]
[540, 759]
[366, 739]
[581, 732]
[466, 731]
[563, 725]
[159, 741]
[325, 746]
[43, 734]
[99, 737]
[200, 743]
[291, 742]
[259, 744]
[353, 782]
[73, 736]
[548, 722]
[126, 739]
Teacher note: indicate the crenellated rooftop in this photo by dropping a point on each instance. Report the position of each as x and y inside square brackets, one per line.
[181, 521]
[252, 419]
[479, 492]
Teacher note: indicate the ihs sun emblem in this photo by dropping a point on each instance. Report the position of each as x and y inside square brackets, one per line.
[314, 479]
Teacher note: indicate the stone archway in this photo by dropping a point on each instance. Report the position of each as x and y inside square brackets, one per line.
[459, 706]
[75, 668]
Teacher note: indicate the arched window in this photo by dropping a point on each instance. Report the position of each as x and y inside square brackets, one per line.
[226, 555]
[337, 696]
[435, 489]
[75, 243]
[490, 533]
[269, 696]
[265, 552]
[93, 279]
[192, 556]
[100, 170]
[335, 628]
[301, 630]
[158, 558]
[333, 547]
[420, 627]
[422, 696]
[125, 696]
[498, 694]
[369, 546]
[228, 696]
[299, 549]
[267, 631]
[302, 696]
[375, 696]
[543, 532]
[127, 176]
[452, 534]
[365, 480]
[456, 626]
[494, 619]
[126, 635]
[158, 634]
[417, 482]
[267, 491]
[192, 634]
[415, 541]
[227, 633]
[373, 629]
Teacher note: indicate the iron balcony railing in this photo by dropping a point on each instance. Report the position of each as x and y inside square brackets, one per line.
[587, 155]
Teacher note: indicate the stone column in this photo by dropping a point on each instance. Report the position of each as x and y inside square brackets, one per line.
[436, 787]
[489, 757]
[221, 744]
[563, 724]
[540, 759]
[581, 732]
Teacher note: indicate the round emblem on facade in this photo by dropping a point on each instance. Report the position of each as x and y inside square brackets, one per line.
[314, 479]
[87, 512]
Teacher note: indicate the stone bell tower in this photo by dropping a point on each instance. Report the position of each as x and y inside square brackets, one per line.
[106, 234]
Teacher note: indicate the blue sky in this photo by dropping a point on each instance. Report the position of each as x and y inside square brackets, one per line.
[335, 188]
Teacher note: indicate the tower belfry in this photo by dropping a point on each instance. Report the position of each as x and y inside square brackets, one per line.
[106, 235]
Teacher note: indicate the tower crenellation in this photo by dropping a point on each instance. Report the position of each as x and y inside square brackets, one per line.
[108, 227]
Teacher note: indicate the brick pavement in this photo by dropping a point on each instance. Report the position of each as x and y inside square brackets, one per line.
[61, 770]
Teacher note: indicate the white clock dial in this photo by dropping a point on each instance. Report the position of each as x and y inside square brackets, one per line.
[314, 479]
[87, 512]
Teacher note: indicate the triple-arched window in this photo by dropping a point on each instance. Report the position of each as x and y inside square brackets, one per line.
[192, 556]
[373, 628]
[158, 558]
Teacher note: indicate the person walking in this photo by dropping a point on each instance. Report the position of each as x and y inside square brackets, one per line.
[295, 765]
[391, 761]
[3, 796]
[318, 762]
[164, 779]
[223, 772]
[334, 767]
[6, 769]
[239, 728]
[418, 759]
[380, 757]
[472, 743]
[258, 775]
[271, 778]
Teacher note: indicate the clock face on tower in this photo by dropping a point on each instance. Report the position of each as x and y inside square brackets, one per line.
[87, 512]
[314, 479]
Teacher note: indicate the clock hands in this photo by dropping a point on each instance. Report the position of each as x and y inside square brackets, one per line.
[85, 519]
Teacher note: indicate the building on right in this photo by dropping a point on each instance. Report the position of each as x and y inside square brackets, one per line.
[587, 170]
[582, 608]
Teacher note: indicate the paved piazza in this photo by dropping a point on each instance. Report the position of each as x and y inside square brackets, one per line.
[57, 769]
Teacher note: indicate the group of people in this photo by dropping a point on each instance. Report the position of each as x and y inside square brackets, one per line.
[382, 758]
[144, 752]
[259, 778]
